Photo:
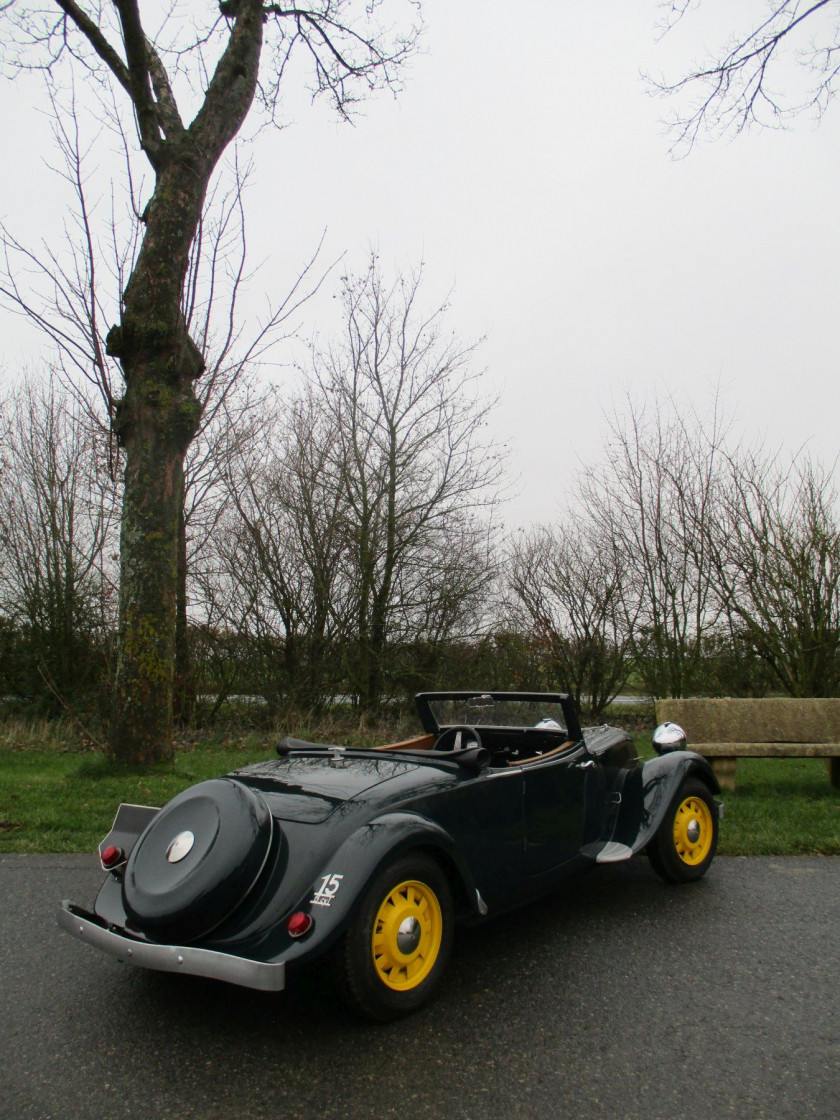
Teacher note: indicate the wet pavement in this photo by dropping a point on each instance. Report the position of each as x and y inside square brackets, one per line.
[619, 997]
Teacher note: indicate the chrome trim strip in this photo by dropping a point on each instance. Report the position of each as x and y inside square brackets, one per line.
[265, 977]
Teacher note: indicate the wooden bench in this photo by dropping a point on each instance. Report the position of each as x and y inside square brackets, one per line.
[723, 731]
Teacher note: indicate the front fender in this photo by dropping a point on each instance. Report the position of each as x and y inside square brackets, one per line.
[649, 790]
[343, 880]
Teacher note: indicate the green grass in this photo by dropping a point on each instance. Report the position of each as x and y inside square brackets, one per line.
[59, 795]
[61, 798]
[782, 806]
[66, 802]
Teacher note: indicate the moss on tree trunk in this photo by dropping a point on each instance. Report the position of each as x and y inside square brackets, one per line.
[184, 686]
[155, 423]
[164, 421]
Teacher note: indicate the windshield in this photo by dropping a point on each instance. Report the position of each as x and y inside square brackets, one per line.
[548, 711]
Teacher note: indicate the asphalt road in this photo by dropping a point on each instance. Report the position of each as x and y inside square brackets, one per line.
[621, 998]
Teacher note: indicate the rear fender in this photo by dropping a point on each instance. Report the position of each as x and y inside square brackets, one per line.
[342, 882]
[129, 825]
[649, 790]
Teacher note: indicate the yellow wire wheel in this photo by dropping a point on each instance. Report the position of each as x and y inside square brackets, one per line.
[693, 831]
[407, 933]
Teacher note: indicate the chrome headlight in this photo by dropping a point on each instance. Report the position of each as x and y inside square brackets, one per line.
[669, 737]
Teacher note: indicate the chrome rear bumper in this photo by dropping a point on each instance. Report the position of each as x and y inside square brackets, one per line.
[265, 977]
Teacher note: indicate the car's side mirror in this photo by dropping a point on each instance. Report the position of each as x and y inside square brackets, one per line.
[669, 737]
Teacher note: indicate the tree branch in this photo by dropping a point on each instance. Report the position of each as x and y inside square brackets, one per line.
[167, 108]
[231, 90]
[98, 41]
[137, 54]
[736, 83]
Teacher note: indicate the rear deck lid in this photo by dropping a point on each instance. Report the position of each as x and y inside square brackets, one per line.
[310, 789]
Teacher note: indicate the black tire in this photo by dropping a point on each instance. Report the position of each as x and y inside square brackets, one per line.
[412, 885]
[675, 854]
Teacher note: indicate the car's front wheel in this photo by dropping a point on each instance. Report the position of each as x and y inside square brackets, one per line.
[685, 843]
[396, 949]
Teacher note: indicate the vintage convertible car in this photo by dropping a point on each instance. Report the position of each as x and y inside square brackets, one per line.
[365, 858]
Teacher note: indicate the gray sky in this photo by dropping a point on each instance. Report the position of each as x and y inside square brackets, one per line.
[525, 164]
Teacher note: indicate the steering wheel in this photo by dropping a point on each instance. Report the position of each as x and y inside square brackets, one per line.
[458, 738]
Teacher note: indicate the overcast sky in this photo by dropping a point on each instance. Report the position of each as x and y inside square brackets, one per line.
[525, 164]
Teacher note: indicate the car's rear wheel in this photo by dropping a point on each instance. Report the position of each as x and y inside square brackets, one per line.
[396, 949]
[685, 843]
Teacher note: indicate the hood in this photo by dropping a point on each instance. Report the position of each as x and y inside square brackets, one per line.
[310, 789]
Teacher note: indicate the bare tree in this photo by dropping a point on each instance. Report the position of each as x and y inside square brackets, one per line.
[411, 461]
[570, 587]
[445, 598]
[214, 67]
[227, 392]
[68, 300]
[69, 289]
[776, 551]
[278, 549]
[741, 85]
[651, 501]
[58, 520]
[356, 519]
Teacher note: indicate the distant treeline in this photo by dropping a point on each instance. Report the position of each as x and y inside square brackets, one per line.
[342, 545]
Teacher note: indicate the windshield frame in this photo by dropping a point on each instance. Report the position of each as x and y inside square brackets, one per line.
[424, 701]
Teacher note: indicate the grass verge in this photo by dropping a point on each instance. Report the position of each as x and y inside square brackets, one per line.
[66, 802]
[56, 799]
[783, 806]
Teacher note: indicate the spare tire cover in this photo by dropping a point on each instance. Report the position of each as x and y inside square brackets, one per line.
[198, 859]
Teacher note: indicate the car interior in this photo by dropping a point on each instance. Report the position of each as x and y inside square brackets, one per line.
[507, 746]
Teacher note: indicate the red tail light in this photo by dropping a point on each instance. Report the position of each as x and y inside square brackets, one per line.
[111, 856]
[299, 924]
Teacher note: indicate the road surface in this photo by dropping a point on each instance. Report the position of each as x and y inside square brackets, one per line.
[619, 998]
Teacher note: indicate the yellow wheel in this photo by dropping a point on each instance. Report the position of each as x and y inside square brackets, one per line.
[693, 831]
[685, 844]
[406, 935]
[397, 945]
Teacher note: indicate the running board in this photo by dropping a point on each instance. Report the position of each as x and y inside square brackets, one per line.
[613, 853]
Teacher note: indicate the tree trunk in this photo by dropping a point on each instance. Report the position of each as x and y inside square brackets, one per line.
[155, 423]
[154, 484]
[159, 416]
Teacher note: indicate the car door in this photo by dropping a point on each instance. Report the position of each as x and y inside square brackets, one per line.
[563, 802]
[484, 815]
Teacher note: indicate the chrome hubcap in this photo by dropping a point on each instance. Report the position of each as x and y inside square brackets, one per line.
[180, 846]
[408, 935]
[693, 831]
